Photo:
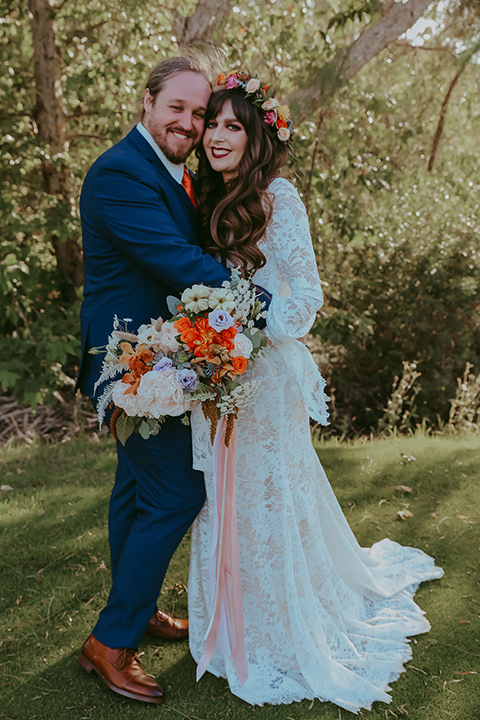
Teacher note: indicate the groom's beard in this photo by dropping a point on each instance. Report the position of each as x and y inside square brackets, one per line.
[174, 148]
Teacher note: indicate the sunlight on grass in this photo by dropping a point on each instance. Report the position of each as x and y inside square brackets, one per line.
[54, 569]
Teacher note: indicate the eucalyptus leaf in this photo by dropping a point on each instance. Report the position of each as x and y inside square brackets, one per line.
[257, 340]
[124, 427]
[172, 304]
[144, 430]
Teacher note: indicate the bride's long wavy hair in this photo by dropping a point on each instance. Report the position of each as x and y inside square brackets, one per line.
[234, 215]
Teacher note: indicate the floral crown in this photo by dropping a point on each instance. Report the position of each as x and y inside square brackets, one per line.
[275, 115]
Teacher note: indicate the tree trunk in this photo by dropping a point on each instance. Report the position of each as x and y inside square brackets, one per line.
[397, 18]
[51, 121]
[204, 20]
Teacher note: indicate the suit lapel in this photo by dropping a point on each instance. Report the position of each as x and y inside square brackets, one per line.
[149, 153]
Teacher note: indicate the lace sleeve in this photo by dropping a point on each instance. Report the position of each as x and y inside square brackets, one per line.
[291, 316]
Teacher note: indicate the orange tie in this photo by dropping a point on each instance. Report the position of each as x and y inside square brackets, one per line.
[188, 185]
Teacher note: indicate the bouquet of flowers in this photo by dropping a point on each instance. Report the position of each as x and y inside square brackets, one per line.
[198, 355]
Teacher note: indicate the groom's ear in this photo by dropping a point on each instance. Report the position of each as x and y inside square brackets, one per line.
[148, 100]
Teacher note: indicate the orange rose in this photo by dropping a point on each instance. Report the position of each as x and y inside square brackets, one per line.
[229, 333]
[281, 123]
[228, 344]
[182, 325]
[226, 338]
[221, 79]
[239, 364]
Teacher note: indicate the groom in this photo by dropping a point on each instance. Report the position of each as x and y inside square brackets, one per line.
[141, 244]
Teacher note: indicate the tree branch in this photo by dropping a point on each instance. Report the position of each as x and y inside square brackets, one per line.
[308, 190]
[396, 19]
[82, 32]
[443, 110]
[403, 44]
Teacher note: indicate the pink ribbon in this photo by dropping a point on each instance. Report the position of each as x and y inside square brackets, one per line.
[227, 601]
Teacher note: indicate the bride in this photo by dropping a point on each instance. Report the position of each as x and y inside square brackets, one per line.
[323, 617]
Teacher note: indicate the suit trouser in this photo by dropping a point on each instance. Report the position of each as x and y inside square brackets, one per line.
[155, 499]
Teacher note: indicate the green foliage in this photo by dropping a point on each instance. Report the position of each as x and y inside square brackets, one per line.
[412, 286]
[464, 413]
[358, 11]
[397, 246]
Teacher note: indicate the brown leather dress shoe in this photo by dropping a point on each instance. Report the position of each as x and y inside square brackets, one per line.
[120, 670]
[163, 625]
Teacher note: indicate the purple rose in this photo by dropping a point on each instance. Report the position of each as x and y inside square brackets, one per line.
[164, 364]
[220, 320]
[187, 379]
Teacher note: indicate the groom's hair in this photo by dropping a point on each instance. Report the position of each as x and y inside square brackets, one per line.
[165, 69]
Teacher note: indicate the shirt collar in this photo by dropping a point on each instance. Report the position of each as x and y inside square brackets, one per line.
[176, 171]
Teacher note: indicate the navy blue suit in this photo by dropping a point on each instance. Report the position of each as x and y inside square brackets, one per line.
[140, 244]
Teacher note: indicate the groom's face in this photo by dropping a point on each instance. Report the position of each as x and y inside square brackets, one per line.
[175, 116]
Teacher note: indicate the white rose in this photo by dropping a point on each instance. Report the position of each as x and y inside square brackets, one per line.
[243, 346]
[167, 337]
[159, 393]
[222, 299]
[270, 104]
[253, 85]
[195, 299]
[283, 134]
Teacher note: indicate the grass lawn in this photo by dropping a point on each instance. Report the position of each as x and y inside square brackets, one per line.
[55, 578]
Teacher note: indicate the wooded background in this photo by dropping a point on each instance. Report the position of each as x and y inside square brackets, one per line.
[386, 158]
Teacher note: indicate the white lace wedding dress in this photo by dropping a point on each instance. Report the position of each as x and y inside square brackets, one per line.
[323, 617]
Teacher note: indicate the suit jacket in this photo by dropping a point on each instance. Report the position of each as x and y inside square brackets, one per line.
[140, 244]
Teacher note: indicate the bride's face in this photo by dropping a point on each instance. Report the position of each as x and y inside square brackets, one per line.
[225, 140]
